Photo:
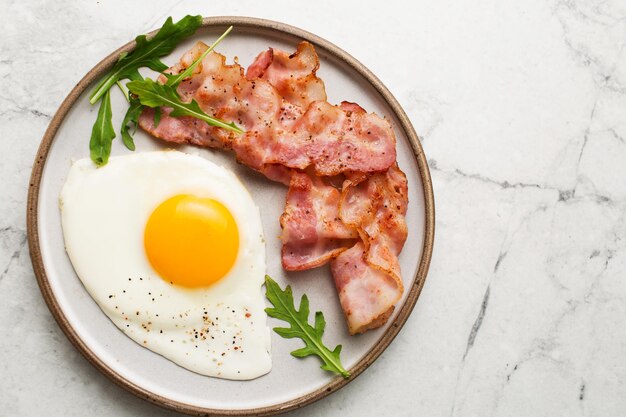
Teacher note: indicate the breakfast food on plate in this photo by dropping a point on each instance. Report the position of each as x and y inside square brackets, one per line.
[293, 75]
[369, 218]
[147, 53]
[347, 197]
[367, 275]
[171, 248]
[280, 136]
[284, 308]
[312, 232]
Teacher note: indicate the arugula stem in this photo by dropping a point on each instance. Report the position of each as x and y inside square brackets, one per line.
[103, 87]
[124, 90]
[173, 81]
[114, 76]
[211, 120]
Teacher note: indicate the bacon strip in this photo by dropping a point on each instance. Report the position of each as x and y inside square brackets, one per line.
[376, 207]
[312, 232]
[366, 295]
[319, 224]
[260, 64]
[294, 76]
[326, 138]
[367, 276]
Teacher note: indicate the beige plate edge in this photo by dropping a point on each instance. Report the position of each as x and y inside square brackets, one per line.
[334, 384]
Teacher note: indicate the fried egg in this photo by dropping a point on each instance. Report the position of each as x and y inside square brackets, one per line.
[171, 248]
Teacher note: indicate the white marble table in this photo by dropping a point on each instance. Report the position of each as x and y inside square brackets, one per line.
[522, 109]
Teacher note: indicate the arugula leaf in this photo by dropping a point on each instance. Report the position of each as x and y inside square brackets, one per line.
[154, 94]
[147, 53]
[102, 133]
[131, 119]
[174, 80]
[284, 309]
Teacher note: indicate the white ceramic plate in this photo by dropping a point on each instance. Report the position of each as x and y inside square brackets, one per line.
[292, 382]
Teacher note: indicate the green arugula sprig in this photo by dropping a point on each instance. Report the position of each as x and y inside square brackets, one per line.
[102, 133]
[284, 309]
[147, 53]
[154, 94]
[131, 118]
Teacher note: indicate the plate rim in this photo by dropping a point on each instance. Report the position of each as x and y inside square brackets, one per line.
[334, 384]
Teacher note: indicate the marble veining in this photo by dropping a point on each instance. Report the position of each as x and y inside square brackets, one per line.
[521, 109]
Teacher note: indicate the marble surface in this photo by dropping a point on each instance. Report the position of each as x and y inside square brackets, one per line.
[521, 107]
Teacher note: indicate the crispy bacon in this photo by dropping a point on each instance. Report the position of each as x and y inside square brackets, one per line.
[352, 107]
[367, 296]
[347, 197]
[260, 64]
[320, 223]
[293, 75]
[376, 207]
[312, 232]
[326, 138]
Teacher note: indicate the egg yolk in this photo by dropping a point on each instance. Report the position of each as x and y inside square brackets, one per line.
[191, 241]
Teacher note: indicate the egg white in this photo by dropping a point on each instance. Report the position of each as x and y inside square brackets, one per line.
[217, 331]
